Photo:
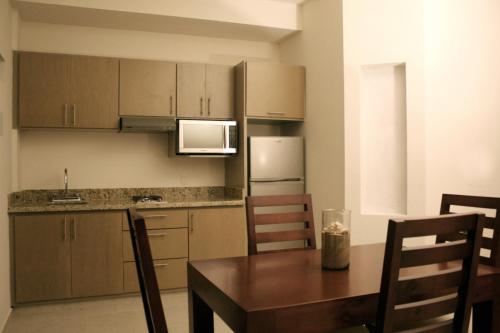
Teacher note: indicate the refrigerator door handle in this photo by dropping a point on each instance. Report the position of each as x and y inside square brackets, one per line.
[276, 180]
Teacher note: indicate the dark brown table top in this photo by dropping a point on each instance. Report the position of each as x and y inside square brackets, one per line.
[296, 278]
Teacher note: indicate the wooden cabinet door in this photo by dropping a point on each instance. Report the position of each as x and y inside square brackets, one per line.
[42, 258]
[43, 90]
[96, 254]
[164, 244]
[220, 91]
[147, 88]
[217, 233]
[191, 91]
[170, 274]
[94, 92]
[275, 91]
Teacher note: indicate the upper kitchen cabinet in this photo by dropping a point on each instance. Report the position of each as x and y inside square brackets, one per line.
[190, 90]
[205, 91]
[66, 91]
[275, 91]
[94, 92]
[147, 88]
[219, 92]
[43, 90]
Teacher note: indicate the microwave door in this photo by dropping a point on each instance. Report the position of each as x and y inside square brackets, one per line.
[201, 138]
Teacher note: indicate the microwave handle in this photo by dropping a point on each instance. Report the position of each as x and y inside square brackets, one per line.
[225, 136]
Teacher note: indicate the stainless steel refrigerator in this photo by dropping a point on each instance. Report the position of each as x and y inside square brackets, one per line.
[276, 165]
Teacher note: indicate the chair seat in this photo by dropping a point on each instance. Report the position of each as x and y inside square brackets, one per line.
[372, 328]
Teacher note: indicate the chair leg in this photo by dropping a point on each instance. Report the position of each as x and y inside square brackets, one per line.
[486, 317]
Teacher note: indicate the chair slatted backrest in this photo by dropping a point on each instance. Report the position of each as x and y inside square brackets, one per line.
[491, 244]
[253, 220]
[420, 284]
[150, 292]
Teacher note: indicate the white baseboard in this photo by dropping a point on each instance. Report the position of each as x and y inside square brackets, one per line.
[4, 321]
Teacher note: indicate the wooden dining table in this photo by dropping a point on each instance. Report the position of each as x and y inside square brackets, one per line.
[290, 292]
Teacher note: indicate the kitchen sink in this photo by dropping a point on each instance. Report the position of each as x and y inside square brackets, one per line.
[67, 199]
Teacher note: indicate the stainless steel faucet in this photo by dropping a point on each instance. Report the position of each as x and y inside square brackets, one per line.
[65, 180]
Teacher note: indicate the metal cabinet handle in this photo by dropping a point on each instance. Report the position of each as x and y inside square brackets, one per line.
[160, 265]
[155, 216]
[277, 113]
[65, 229]
[65, 114]
[201, 106]
[208, 106]
[171, 104]
[226, 136]
[191, 222]
[74, 115]
[74, 222]
[157, 235]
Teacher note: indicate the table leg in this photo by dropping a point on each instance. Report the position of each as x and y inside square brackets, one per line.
[201, 316]
[486, 317]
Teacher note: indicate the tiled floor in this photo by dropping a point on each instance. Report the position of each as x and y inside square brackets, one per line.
[124, 314]
[110, 315]
[120, 315]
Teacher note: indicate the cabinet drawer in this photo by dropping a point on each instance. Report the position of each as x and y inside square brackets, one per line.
[164, 243]
[170, 274]
[162, 218]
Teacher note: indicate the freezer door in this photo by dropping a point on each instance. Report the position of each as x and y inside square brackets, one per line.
[275, 157]
[276, 188]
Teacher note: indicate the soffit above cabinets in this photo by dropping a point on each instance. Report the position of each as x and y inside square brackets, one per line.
[292, 1]
[257, 20]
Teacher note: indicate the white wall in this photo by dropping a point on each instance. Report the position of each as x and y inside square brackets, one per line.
[97, 159]
[319, 48]
[452, 57]
[383, 32]
[462, 63]
[6, 16]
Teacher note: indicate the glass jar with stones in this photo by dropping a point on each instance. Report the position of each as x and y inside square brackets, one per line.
[336, 238]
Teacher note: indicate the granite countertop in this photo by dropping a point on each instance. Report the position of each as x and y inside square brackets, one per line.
[38, 201]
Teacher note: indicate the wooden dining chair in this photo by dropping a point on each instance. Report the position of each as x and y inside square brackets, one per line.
[304, 216]
[491, 244]
[150, 292]
[482, 315]
[422, 284]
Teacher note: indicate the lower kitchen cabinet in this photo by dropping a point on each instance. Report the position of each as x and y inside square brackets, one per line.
[217, 233]
[67, 255]
[168, 238]
[170, 274]
[42, 257]
[61, 256]
[164, 243]
[96, 254]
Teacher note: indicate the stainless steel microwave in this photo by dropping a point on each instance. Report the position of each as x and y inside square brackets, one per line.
[206, 137]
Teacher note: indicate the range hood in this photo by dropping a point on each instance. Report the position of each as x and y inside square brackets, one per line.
[147, 124]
